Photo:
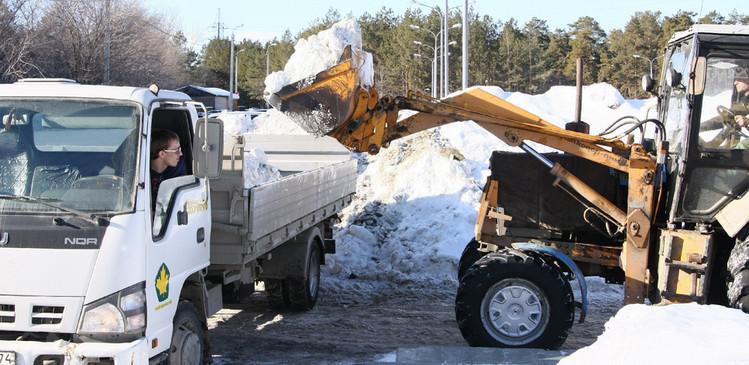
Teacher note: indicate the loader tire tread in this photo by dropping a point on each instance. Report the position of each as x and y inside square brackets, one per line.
[738, 276]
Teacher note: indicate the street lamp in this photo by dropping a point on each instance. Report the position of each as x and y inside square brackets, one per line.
[435, 60]
[434, 65]
[649, 61]
[446, 52]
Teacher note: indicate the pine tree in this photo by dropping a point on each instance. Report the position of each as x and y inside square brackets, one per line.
[587, 43]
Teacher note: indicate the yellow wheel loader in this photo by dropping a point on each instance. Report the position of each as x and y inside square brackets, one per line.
[667, 216]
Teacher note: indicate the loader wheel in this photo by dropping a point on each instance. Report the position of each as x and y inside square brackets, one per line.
[303, 292]
[277, 292]
[738, 276]
[470, 255]
[189, 340]
[511, 299]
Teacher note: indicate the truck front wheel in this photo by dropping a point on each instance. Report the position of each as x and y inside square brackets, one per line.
[512, 299]
[189, 340]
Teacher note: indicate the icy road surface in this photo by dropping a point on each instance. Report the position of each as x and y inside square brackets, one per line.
[359, 321]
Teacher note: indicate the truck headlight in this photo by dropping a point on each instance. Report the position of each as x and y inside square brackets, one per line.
[123, 312]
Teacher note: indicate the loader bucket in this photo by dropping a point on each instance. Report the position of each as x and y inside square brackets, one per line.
[322, 102]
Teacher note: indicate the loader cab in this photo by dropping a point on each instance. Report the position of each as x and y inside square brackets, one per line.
[698, 103]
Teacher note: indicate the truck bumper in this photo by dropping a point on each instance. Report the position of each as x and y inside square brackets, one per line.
[66, 353]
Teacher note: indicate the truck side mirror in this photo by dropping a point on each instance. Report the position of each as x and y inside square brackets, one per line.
[648, 84]
[208, 148]
[673, 77]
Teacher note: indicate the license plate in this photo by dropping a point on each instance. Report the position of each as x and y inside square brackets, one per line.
[7, 358]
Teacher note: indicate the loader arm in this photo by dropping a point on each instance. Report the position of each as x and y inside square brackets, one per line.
[334, 104]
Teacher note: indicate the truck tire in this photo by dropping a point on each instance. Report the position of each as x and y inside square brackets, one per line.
[470, 255]
[277, 292]
[189, 340]
[303, 292]
[512, 299]
[738, 276]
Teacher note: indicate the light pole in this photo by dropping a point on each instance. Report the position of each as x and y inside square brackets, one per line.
[649, 61]
[431, 60]
[231, 72]
[435, 60]
[434, 66]
[236, 70]
[442, 34]
[465, 45]
[446, 52]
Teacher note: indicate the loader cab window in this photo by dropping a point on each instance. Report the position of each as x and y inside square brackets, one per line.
[725, 105]
[716, 168]
[677, 107]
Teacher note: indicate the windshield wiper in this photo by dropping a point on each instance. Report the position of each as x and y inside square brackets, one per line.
[93, 218]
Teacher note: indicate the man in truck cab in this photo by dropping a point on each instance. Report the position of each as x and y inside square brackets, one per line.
[166, 154]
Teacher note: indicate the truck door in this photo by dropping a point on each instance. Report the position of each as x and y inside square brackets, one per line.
[180, 229]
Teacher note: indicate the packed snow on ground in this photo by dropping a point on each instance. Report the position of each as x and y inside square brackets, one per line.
[672, 334]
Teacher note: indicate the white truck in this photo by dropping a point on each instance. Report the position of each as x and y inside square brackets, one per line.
[91, 275]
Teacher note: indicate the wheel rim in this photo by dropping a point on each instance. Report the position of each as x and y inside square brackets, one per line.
[190, 349]
[314, 274]
[515, 312]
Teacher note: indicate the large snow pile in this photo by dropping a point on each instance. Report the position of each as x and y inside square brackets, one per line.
[672, 334]
[320, 51]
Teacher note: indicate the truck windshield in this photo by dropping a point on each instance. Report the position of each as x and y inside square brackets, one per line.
[74, 154]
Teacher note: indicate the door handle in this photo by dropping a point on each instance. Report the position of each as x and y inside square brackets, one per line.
[201, 235]
[182, 217]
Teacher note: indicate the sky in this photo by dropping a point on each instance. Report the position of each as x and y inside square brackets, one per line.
[264, 20]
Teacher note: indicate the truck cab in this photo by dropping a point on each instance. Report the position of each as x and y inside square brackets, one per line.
[92, 274]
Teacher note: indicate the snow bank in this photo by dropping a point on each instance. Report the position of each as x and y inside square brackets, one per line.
[318, 52]
[413, 214]
[671, 334]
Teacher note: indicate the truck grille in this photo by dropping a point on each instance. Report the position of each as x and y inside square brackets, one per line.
[44, 314]
[7, 313]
